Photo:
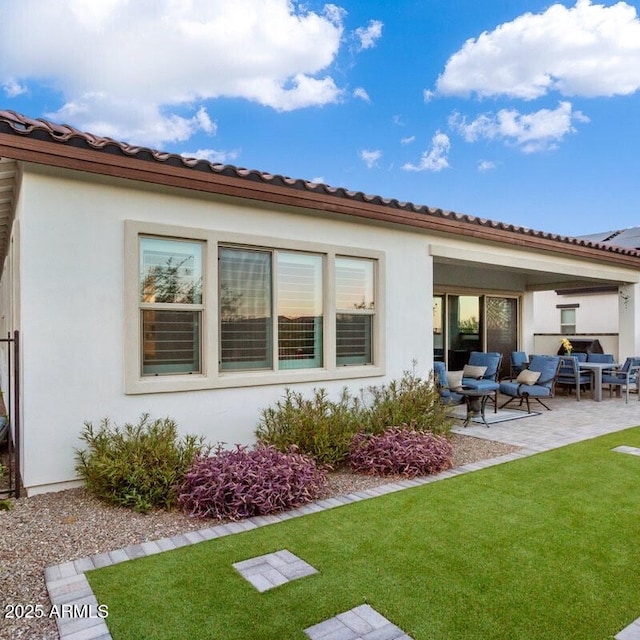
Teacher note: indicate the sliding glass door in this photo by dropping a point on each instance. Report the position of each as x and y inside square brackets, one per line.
[466, 323]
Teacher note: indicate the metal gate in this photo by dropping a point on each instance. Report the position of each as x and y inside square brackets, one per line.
[11, 482]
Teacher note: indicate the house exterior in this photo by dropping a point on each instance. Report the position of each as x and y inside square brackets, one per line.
[584, 313]
[146, 282]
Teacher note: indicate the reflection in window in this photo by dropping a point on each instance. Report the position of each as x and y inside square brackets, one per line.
[299, 310]
[170, 278]
[355, 310]
[245, 309]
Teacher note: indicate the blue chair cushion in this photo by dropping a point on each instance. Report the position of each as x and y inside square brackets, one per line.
[446, 395]
[517, 389]
[481, 385]
[490, 360]
[547, 366]
[600, 357]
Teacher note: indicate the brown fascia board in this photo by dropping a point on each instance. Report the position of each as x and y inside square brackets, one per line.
[171, 170]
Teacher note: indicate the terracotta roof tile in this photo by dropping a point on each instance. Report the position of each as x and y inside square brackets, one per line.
[40, 129]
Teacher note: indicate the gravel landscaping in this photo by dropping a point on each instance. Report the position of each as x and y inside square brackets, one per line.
[54, 528]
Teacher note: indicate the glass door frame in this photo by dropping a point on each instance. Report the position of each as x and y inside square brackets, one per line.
[441, 326]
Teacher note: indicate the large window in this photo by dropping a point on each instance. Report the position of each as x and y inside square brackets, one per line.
[209, 309]
[170, 298]
[247, 300]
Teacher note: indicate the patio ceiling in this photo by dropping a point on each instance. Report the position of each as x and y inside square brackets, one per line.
[518, 270]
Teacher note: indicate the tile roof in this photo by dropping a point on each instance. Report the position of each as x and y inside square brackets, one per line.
[300, 192]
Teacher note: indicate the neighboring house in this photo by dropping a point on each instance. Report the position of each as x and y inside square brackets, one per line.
[584, 312]
[146, 282]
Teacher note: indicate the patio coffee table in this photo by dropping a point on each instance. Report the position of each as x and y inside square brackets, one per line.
[476, 400]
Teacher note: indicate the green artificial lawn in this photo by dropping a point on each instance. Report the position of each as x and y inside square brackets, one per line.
[544, 547]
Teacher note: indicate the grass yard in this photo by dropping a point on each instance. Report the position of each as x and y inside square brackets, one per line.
[544, 547]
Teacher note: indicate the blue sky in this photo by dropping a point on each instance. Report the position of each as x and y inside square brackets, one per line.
[523, 112]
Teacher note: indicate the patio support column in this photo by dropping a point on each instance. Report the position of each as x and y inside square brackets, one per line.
[628, 321]
[527, 325]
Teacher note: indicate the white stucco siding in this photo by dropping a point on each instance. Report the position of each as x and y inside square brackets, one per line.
[72, 282]
[595, 313]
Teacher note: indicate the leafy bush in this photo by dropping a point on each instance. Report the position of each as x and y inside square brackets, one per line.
[400, 451]
[410, 401]
[323, 429]
[136, 466]
[318, 427]
[245, 482]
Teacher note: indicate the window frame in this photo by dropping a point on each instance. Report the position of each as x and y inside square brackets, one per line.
[564, 325]
[210, 376]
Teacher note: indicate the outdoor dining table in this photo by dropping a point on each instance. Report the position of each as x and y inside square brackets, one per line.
[597, 368]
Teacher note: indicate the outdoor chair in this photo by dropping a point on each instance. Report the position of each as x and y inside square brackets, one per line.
[606, 358]
[518, 361]
[448, 396]
[624, 377]
[529, 385]
[487, 380]
[570, 375]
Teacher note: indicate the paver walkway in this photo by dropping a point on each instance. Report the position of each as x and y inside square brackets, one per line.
[569, 421]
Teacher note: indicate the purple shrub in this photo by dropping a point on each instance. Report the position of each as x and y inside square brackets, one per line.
[243, 482]
[400, 451]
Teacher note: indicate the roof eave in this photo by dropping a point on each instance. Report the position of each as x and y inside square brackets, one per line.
[278, 190]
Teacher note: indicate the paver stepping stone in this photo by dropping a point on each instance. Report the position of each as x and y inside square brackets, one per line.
[273, 569]
[634, 451]
[360, 623]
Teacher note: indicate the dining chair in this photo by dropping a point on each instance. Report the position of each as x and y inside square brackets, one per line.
[624, 377]
[571, 377]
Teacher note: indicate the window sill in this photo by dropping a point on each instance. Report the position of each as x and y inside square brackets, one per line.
[176, 384]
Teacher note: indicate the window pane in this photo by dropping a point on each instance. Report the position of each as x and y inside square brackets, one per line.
[353, 339]
[299, 311]
[245, 309]
[170, 271]
[171, 341]
[567, 321]
[354, 284]
[354, 293]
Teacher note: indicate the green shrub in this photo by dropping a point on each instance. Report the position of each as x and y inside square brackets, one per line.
[323, 429]
[411, 401]
[317, 427]
[136, 466]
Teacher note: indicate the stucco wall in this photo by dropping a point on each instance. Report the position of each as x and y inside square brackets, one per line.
[72, 244]
[596, 313]
[72, 306]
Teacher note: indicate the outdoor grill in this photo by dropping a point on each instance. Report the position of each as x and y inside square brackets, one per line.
[585, 345]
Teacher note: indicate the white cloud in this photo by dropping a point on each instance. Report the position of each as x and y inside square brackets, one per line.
[435, 159]
[12, 89]
[370, 35]
[370, 158]
[360, 92]
[537, 131]
[586, 50]
[486, 165]
[212, 155]
[159, 59]
[407, 140]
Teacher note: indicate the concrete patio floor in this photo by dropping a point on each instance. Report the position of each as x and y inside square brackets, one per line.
[568, 421]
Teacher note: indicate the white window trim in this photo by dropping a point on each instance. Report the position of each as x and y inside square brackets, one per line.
[210, 377]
